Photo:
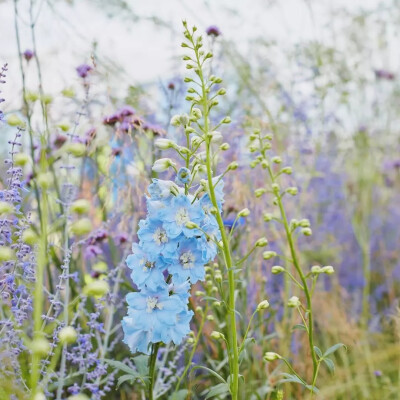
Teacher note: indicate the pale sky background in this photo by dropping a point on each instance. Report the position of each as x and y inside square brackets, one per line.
[141, 50]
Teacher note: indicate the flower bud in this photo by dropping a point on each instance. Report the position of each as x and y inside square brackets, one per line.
[199, 310]
[277, 269]
[316, 269]
[262, 242]
[267, 217]
[271, 356]
[191, 225]
[287, 170]
[39, 396]
[40, 347]
[47, 99]
[215, 136]
[244, 213]
[218, 277]
[190, 340]
[97, 288]
[76, 149]
[184, 119]
[199, 293]
[217, 335]
[253, 148]
[264, 164]
[176, 120]
[163, 144]
[21, 159]
[163, 164]
[276, 160]
[233, 165]
[226, 120]
[292, 190]
[100, 267]
[196, 113]
[29, 236]
[275, 187]
[6, 208]
[329, 270]
[263, 305]
[221, 92]
[306, 231]
[304, 223]
[67, 335]
[210, 317]
[254, 163]
[224, 146]
[217, 304]
[294, 302]
[14, 120]
[81, 227]
[80, 206]
[259, 192]
[44, 180]
[267, 255]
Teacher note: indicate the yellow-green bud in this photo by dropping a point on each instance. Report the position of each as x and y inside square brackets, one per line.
[253, 148]
[276, 160]
[216, 304]
[306, 231]
[218, 277]
[163, 164]
[68, 92]
[81, 227]
[268, 217]
[29, 236]
[40, 346]
[80, 206]
[14, 120]
[21, 159]
[44, 180]
[64, 127]
[254, 163]
[39, 396]
[304, 223]
[217, 335]
[199, 293]
[233, 165]
[100, 267]
[210, 317]
[221, 92]
[191, 225]
[316, 269]
[294, 302]
[264, 164]
[329, 270]
[6, 208]
[199, 310]
[190, 340]
[31, 97]
[259, 192]
[263, 305]
[47, 99]
[226, 120]
[96, 288]
[224, 146]
[67, 335]
[196, 113]
[176, 120]
[292, 190]
[271, 356]
[275, 187]
[287, 170]
[6, 254]
[267, 255]
[262, 242]
[277, 269]
[163, 144]
[76, 149]
[244, 213]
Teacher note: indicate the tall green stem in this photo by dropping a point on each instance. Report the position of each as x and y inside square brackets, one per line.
[152, 369]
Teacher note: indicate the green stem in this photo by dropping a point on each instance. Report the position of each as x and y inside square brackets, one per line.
[152, 369]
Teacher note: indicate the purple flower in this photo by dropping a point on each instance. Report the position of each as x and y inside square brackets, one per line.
[28, 54]
[213, 31]
[383, 74]
[83, 70]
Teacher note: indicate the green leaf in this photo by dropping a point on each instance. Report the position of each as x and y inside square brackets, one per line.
[299, 326]
[218, 376]
[318, 351]
[141, 362]
[125, 378]
[121, 366]
[330, 364]
[334, 348]
[180, 395]
[218, 390]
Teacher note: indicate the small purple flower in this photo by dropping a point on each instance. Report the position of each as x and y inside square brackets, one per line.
[83, 70]
[213, 31]
[28, 55]
[383, 74]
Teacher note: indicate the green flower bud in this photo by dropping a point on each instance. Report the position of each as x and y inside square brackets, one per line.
[233, 165]
[47, 99]
[6, 208]
[287, 170]
[275, 187]
[21, 159]
[176, 120]
[210, 317]
[304, 223]
[276, 160]
[224, 146]
[67, 335]
[294, 302]
[267, 255]
[262, 242]
[100, 267]
[81, 227]
[277, 269]
[217, 335]
[244, 213]
[218, 277]
[217, 304]
[268, 217]
[271, 356]
[259, 192]
[199, 293]
[163, 164]
[64, 127]
[292, 190]
[190, 340]
[29, 237]
[264, 164]
[316, 269]
[39, 396]
[253, 148]
[96, 288]
[199, 310]
[14, 120]
[263, 305]
[40, 347]
[76, 149]
[329, 270]
[31, 97]
[221, 92]
[191, 225]
[254, 163]
[184, 118]
[69, 92]
[306, 231]
[226, 120]
[44, 180]
[80, 206]
[196, 113]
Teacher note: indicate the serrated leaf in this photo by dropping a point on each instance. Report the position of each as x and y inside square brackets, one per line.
[299, 326]
[333, 348]
[318, 351]
[218, 390]
[330, 364]
[141, 362]
[180, 395]
[124, 378]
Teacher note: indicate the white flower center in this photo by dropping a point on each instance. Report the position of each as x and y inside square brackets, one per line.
[160, 236]
[187, 260]
[147, 265]
[152, 303]
[182, 216]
